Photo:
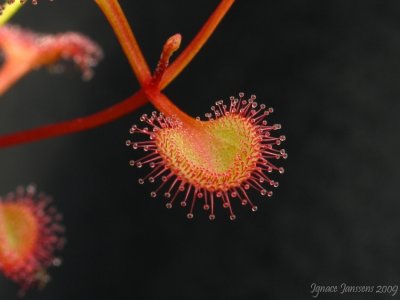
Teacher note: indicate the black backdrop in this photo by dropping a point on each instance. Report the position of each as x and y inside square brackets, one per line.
[330, 69]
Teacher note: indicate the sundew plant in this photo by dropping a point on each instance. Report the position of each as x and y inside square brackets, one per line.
[225, 158]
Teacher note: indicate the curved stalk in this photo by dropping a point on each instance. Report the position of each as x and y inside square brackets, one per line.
[117, 111]
[130, 104]
[197, 43]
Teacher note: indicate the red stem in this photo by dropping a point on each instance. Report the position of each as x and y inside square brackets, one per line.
[165, 105]
[197, 43]
[116, 111]
[128, 105]
[113, 11]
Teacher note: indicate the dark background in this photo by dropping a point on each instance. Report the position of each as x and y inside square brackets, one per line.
[330, 69]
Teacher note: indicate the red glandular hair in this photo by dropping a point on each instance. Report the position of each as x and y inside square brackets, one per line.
[30, 233]
[218, 159]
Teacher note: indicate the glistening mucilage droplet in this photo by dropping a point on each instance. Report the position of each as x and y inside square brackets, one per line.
[219, 159]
